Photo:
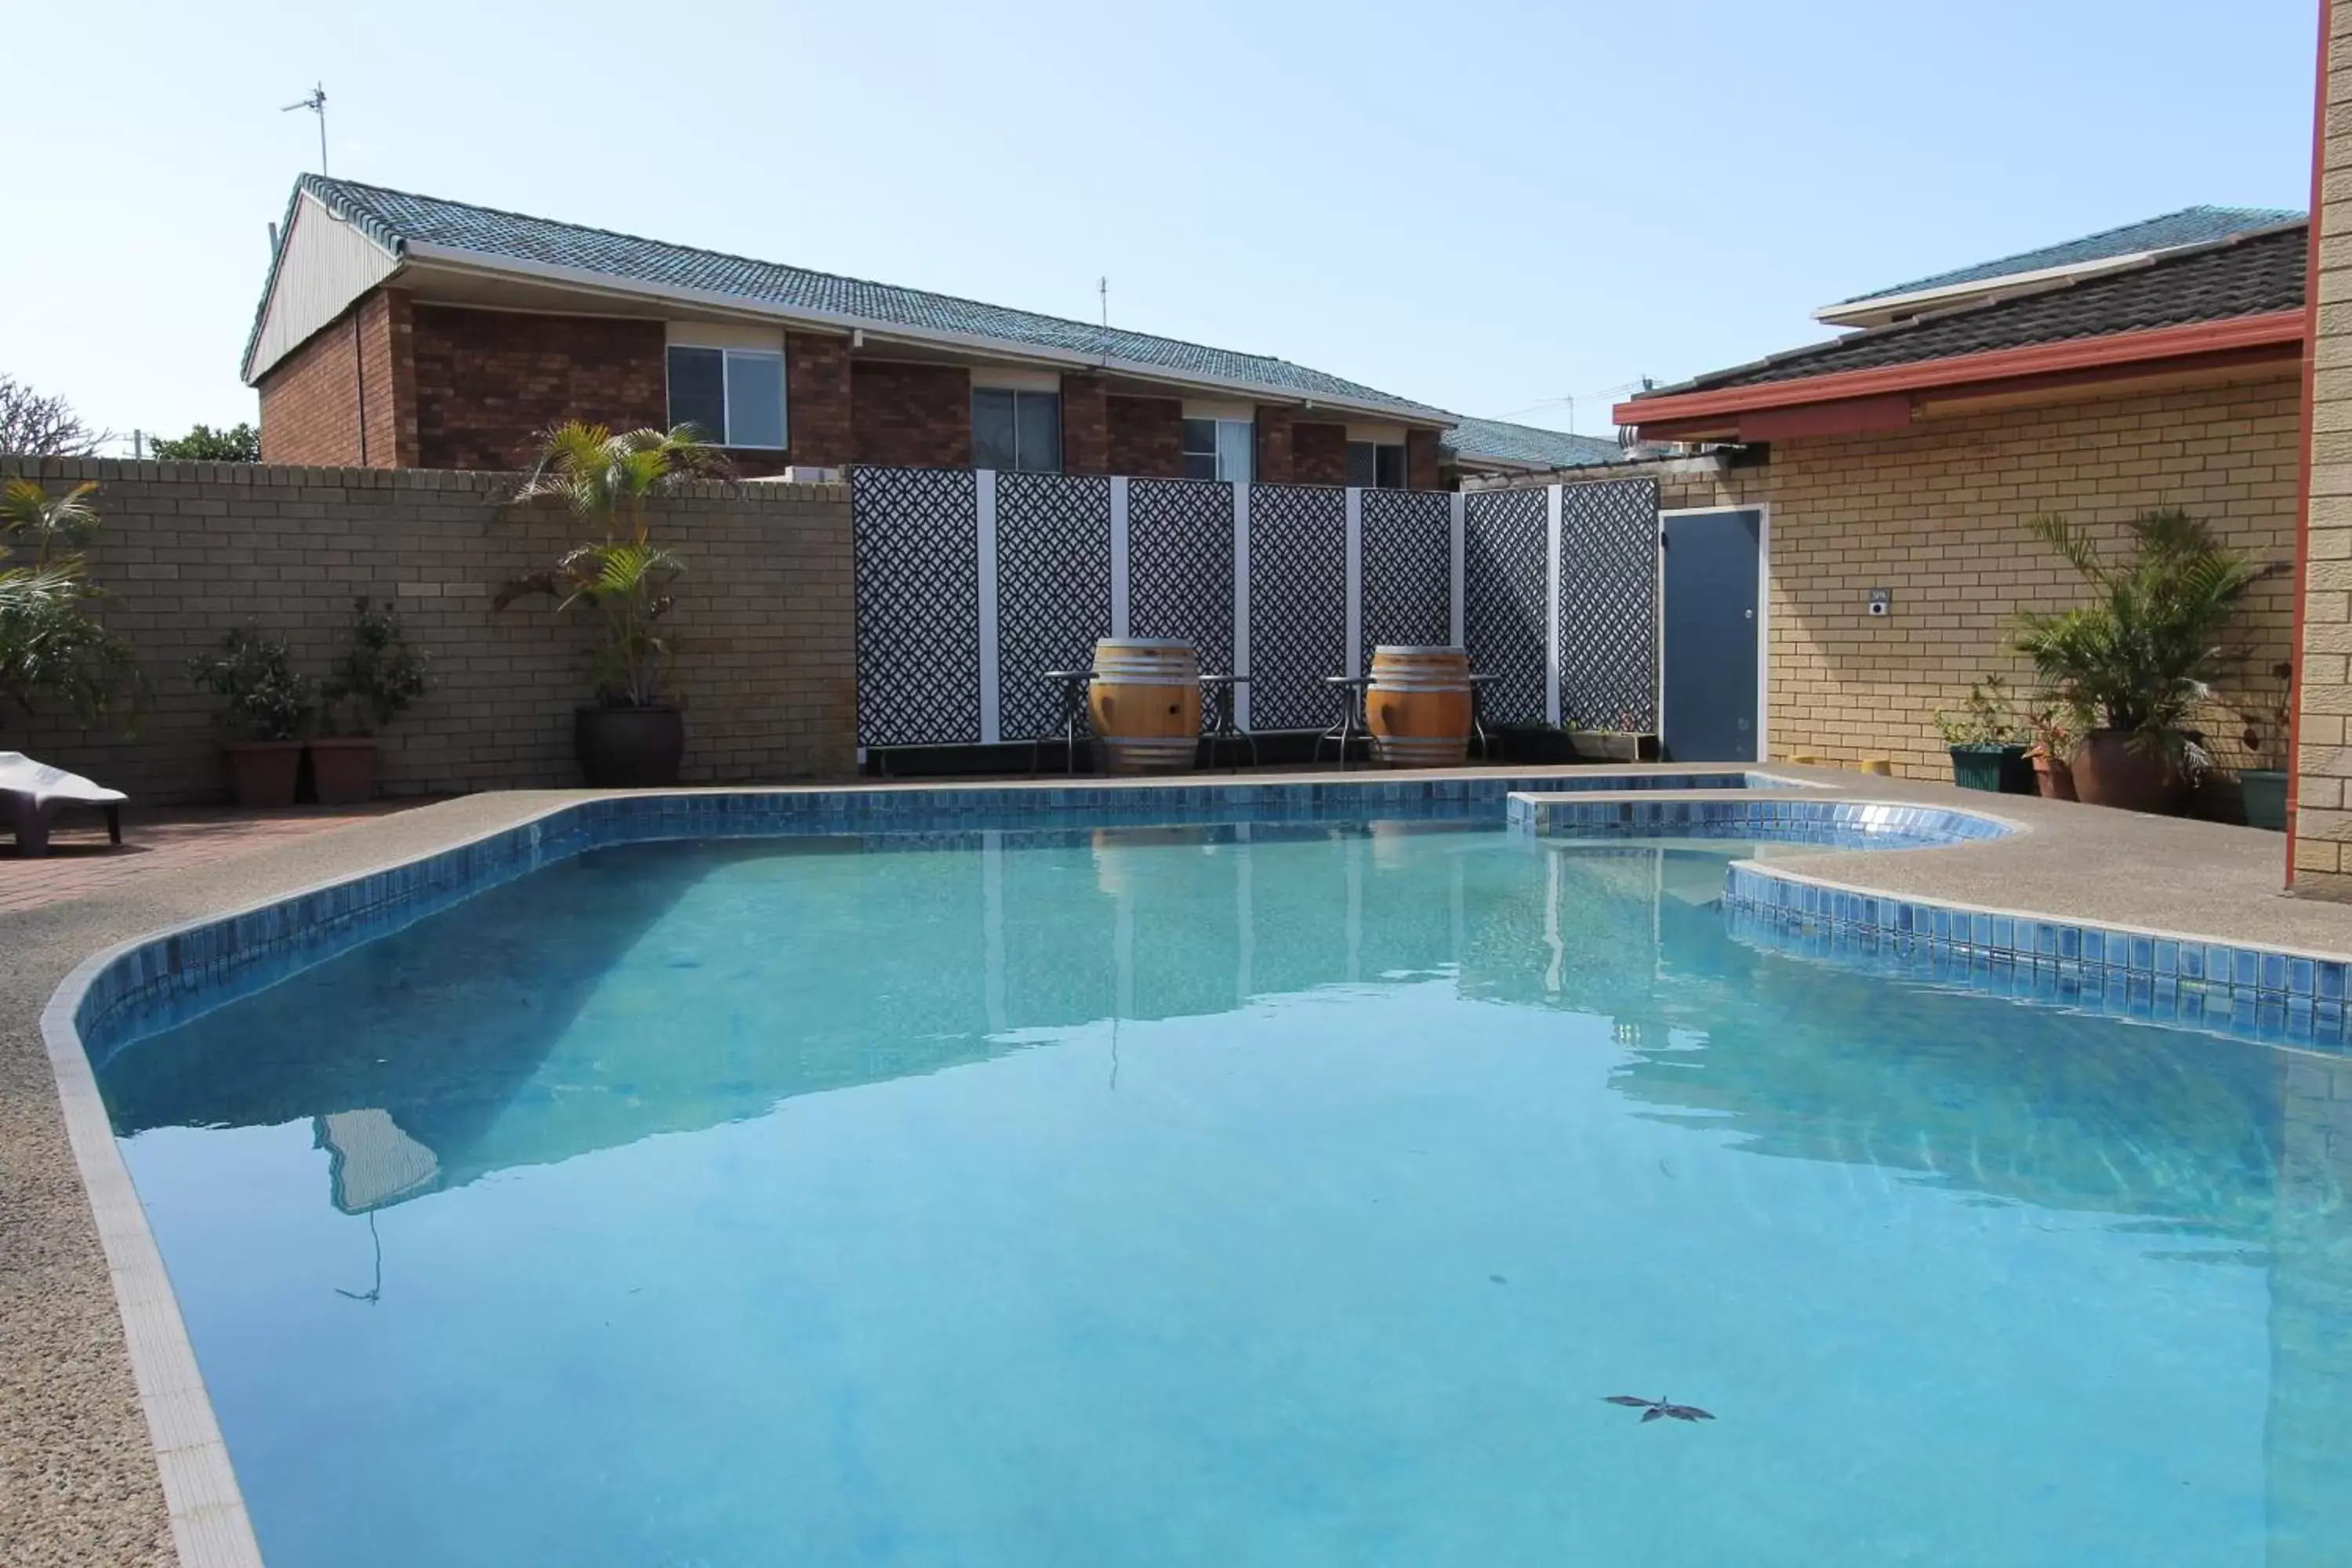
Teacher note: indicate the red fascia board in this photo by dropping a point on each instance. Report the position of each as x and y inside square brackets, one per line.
[2112, 351]
[1850, 416]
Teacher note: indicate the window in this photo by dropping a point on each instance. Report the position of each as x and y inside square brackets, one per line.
[734, 396]
[1376, 465]
[1012, 429]
[1218, 449]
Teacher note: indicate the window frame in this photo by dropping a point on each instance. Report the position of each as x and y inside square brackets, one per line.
[1216, 452]
[726, 356]
[1376, 448]
[1016, 393]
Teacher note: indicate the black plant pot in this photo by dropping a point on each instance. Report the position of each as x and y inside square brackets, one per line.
[629, 748]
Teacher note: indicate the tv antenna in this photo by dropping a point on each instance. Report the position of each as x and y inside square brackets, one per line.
[316, 102]
[1102, 291]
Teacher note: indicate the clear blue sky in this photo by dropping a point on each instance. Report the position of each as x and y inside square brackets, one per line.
[1483, 205]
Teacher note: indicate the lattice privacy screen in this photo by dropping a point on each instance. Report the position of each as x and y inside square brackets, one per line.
[1608, 605]
[1053, 590]
[970, 586]
[918, 555]
[1298, 603]
[1179, 565]
[1506, 596]
[1408, 570]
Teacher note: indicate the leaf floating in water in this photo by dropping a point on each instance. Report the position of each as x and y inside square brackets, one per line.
[1652, 1409]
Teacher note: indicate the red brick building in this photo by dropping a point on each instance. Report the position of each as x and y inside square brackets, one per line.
[399, 330]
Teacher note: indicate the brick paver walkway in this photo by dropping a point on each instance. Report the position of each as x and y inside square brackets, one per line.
[80, 861]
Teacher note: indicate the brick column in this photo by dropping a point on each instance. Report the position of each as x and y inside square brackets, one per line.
[1272, 463]
[1086, 426]
[816, 400]
[2321, 842]
[400, 350]
[1421, 459]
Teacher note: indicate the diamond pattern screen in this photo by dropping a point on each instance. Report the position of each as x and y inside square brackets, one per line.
[918, 552]
[1053, 590]
[920, 594]
[1179, 565]
[1299, 604]
[1408, 570]
[1608, 605]
[1505, 589]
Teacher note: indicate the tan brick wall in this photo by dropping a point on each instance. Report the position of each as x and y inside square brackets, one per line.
[1938, 513]
[765, 620]
[2322, 837]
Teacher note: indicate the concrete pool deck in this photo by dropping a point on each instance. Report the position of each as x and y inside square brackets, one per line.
[79, 1482]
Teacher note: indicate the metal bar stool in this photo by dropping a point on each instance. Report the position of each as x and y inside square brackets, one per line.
[1347, 691]
[1217, 716]
[1478, 684]
[1075, 721]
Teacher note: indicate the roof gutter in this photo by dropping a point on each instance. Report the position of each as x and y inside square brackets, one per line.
[605, 283]
[2237, 335]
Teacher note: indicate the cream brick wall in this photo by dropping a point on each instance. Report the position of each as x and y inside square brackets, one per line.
[765, 620]
[2322, 837]
[1938, 513]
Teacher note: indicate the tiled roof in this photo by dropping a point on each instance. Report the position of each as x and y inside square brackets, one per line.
[2190, 226]
[1528, 443]
[394, 219]
[2251, 277]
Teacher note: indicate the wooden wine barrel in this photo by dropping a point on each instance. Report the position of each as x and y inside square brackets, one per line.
[1145, 701]
[1418, 707]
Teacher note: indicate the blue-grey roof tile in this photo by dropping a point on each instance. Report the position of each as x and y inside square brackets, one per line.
[396, 218]
[2190, 226]
[1529, 444]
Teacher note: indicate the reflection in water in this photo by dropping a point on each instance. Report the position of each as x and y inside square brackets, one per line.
[424, 1063]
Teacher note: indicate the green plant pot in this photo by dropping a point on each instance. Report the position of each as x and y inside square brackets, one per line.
[2265, 790]
[1999, 769]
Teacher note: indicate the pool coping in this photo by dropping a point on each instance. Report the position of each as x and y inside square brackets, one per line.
[2280, 995]
[209, 1525]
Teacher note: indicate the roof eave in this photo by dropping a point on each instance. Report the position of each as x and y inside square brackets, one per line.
[2273, 330]
[615, 287]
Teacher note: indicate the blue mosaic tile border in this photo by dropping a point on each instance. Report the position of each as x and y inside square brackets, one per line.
[2255, 993]
[1885, 826]
[161, 981]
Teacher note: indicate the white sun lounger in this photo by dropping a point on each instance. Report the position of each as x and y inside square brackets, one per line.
[31, 795]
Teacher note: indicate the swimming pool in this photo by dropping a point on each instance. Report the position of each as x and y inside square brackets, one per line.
[1289, 1192]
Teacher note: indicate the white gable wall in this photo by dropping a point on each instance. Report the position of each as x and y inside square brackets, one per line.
[325, 265]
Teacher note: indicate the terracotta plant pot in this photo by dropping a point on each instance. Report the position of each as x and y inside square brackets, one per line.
[342, 769]
[261, 774]
[2052, 780]
[2109, 770]
[629, 748]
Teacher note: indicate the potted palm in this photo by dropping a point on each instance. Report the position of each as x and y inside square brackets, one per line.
[265, 707]
[632, 735]
[374, 680]
[2266, 721]
[1988, 748]
[2134, 662]
[51, 645]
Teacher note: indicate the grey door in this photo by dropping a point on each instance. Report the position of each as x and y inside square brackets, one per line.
[1710, 637]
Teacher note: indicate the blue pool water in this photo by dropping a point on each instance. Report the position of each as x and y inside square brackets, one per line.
[1221, 1195]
